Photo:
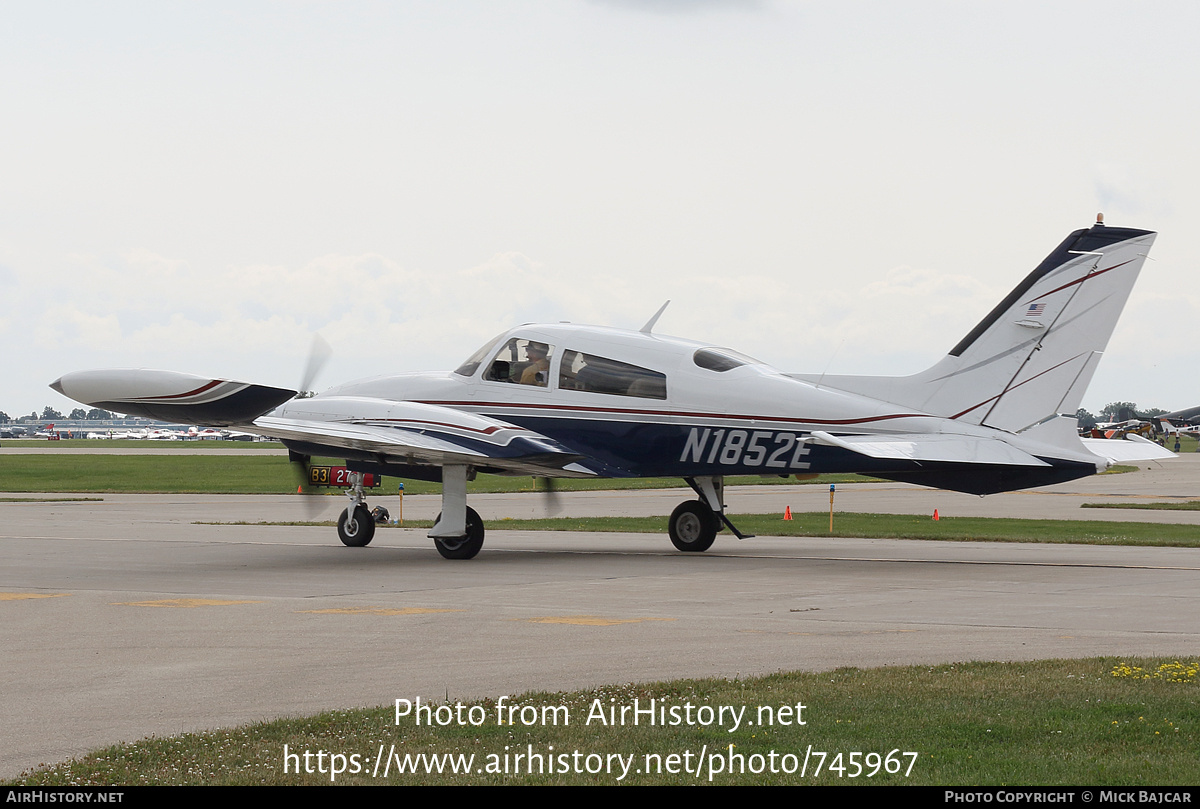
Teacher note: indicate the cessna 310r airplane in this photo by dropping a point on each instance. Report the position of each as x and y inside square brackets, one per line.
[564, 400]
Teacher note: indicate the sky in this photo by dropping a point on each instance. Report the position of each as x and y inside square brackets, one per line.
[829, 187]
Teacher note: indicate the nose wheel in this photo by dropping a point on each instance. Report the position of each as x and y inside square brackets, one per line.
[356, 527]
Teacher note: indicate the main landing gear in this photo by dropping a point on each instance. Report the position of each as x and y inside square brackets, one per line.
[695, 524]
[458, 532]
[466, 546]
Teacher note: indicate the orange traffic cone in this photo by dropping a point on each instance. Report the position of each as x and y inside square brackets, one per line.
[935, 515]
[787, 513]
[298, 488]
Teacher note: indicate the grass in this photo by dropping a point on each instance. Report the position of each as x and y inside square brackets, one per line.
[1100, 721]
[869, 526]
[52, 499]
[903, 526]
[1187, 505]
[264, 474]
[240, 474]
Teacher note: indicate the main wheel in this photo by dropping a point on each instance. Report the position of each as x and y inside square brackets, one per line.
[693, 526]
[358, 529]
[465, 547]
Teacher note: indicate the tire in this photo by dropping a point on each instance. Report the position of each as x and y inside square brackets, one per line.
[466, 547]
[358, 530]
[693, 526]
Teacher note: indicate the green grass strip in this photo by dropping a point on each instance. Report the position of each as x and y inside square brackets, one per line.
[265, 474]
[51, 499]
[901, 526]
[174, 474]
[870, 526]
[1189, 505]
[1100, 721]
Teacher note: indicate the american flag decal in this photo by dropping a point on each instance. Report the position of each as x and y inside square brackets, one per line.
[1035, 310]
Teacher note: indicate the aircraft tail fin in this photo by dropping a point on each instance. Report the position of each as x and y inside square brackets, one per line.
[1032, 357]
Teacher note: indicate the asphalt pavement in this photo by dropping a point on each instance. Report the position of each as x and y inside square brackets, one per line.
[124, 617]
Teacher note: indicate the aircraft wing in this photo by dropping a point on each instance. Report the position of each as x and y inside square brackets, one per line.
[398, 432]
[412, 433]
[171, 396]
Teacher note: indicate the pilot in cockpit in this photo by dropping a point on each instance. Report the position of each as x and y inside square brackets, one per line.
[538, 369]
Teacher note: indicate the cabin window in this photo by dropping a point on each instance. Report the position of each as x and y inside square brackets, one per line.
[721, 359]
[594, 374]
[522, 362]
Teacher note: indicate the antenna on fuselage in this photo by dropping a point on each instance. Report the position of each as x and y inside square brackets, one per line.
[650, 323]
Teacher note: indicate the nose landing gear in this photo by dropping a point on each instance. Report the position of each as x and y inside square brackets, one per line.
[356, 526]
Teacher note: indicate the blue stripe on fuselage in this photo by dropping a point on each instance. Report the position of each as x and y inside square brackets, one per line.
[641, 449]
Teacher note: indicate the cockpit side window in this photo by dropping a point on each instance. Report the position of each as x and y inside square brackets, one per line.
[721, 359]
[523, 362]
[587, 372]
[473, 362]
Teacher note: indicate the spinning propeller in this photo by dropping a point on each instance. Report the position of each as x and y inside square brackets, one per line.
[550, 500]
[318, 354]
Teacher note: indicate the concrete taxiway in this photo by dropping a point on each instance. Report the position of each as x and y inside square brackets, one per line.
[123, 617]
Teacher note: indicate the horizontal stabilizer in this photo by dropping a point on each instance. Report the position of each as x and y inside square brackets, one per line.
[1132, 448]
[171, 396]
[931, 447]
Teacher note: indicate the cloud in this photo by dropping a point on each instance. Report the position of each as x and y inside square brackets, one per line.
[683, 6]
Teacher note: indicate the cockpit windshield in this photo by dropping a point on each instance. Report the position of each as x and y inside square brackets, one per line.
[473, 362]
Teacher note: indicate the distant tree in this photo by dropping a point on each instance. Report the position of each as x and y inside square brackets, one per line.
[79, 413]
[1086, 420]
[4, 419]
[1154, 411]
[1112, 410]
[33, 416]
[96, 414]
[50, 414]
